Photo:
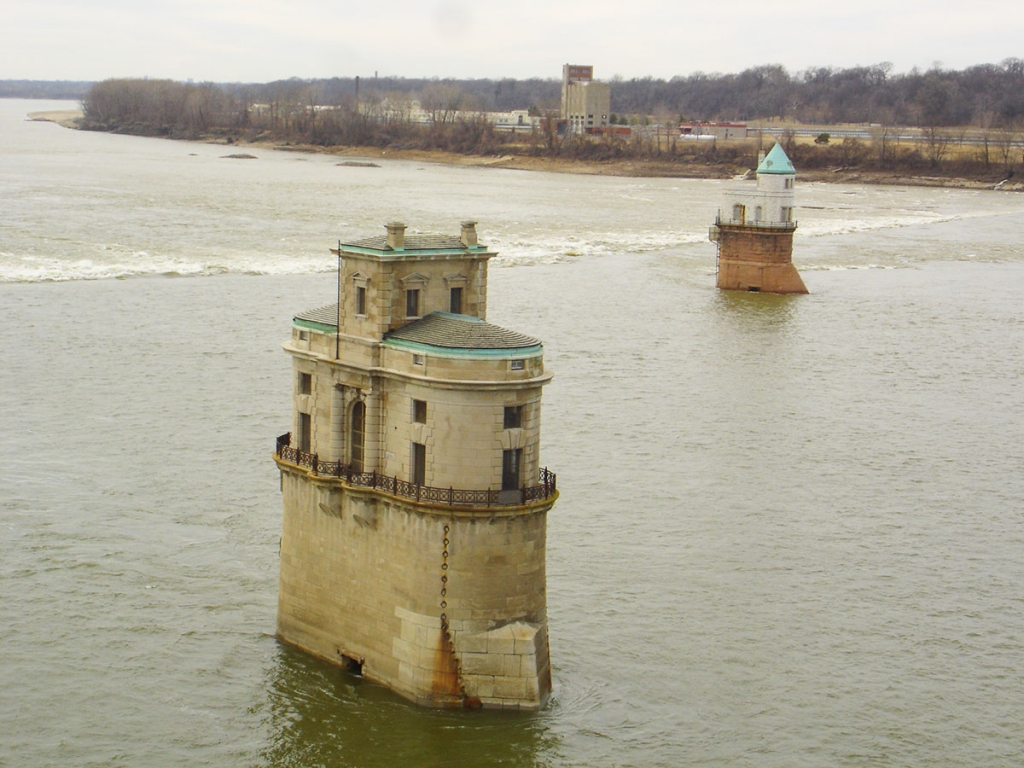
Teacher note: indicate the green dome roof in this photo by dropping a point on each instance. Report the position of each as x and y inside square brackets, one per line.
[777, 161]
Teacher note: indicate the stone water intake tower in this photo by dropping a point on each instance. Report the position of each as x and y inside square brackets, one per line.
[415, 504]
[754, 231]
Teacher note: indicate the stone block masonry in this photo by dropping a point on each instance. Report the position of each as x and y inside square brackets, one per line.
[757, 259]
[372, 593]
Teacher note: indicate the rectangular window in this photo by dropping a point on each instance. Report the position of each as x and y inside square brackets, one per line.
[517, 365]
[305, 384]
[412, 303]
[419, 411]
[360, 300]
[417, 359]
[455, 301]
[510, 463]
[513, 416]
[419, 464]
[305, 432]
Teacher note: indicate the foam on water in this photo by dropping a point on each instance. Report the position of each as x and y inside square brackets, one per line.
[36, 269]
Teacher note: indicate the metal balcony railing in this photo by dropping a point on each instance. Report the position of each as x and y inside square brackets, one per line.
[453, 497]
[784, 225]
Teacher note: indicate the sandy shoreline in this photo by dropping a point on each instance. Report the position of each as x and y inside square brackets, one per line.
[645, 168]
[627, 168]
[65, 117]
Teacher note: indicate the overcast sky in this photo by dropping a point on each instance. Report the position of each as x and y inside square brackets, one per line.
[264, 40]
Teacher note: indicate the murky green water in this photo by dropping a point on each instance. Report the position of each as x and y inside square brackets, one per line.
[790, 530]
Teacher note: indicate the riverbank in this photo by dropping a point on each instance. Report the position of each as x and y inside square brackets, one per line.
[653, 168]
[633, 168]
[67, 117]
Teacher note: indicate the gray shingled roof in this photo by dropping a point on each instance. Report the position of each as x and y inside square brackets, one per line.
[412, 243]
[442, 329]
[439, 329]
[324, 315]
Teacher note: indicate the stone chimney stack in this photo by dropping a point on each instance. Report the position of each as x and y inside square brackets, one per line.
[396, 235]
[469, 233]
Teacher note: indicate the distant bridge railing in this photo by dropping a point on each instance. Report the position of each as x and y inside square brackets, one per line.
[453, 497]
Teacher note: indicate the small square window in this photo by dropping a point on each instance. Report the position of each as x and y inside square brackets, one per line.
[517, 365]
[305, 383]
[419, 411]
[417, 359]
[513, 416]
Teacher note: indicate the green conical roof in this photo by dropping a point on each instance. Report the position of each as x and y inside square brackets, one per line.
[777, 161]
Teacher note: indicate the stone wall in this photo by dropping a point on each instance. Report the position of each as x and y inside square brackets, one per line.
[463, 434]
[757, 258]
[361, 580]
[386, 280]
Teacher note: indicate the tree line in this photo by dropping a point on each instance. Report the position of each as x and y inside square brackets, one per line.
[943, 104]
[44, 89]
[985, 96]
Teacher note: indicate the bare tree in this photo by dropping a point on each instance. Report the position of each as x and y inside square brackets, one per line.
[884, 141]
[1006, 141]
[937, 143]
[442, 100]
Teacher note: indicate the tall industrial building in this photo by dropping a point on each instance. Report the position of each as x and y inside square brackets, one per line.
[586, 103]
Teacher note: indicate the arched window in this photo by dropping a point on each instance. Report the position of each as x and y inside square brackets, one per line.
[737, 213]
[358, 435]
[757, 213]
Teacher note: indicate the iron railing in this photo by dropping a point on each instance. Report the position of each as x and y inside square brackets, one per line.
[453, 497]
[763, 224]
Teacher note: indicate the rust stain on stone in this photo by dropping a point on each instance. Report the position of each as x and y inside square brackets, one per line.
[446, 670]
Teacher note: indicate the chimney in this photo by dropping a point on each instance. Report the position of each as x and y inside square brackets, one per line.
[396, 235]
[469, 233]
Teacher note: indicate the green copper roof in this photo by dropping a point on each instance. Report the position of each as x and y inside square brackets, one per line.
[777, 161]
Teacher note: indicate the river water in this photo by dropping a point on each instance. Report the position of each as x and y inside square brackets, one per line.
[791, 530]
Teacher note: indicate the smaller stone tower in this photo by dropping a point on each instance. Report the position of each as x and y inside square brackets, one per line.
[755, 230]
